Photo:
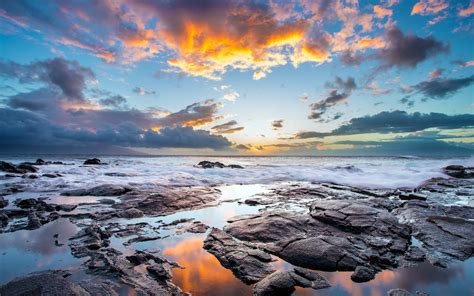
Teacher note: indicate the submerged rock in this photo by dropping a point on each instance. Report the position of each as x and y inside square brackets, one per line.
[248, 264]
[363, 274]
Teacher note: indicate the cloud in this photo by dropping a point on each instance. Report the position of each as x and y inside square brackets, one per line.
[341, 90]
[26, 129]
[116, 101]
[231, 96]
[68, 76]
[408, 50]
[394, 122]
[376, 90]
[436, 73]
[438, 88]
[427, 7]
[464, 63]
[381, 11]
[142, 91]
[465, 12]
[277, 124]
[351, 58]
[197, 114]
[227, 128]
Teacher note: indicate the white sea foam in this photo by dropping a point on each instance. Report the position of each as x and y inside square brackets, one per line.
[144, 172]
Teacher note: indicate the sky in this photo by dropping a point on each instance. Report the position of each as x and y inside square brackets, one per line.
[297, 77]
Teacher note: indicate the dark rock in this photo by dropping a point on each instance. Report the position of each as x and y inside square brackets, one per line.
[52, 175]
[4, 219]
[194, 227]
[26, 203]
[131, 213]
[101, 190]
[235, 166]
[283, 282]
[39, 161]
[209, 164]
[43, 283]
[398, 292]
[107, 201]
[24, 167]
[248, 264]
[459, 171]
[412, 196]
[33, 221]
[363, 274]
[8, 167]
[160, 271]
[3, 202]
[92, 161]
[65, 208]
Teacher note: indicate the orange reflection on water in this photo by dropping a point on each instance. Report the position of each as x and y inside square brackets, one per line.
[203, 274]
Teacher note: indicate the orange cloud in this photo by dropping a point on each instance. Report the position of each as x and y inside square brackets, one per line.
[465, 12]
[427, 7]
[382, 12]
[364, 43]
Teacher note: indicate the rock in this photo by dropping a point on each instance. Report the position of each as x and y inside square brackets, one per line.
[52, 175]
[33, 221]
[131, 213]
[4, 219]
[3, 202]
[26, 203]
[8, 167]
[412, 196]
[39, 161]
[209, 164]
[92, 161]
[160, 271]
[101, 190]
[363, 274]
[459, 171]
[43, 283]
[194, 227]
[283, 282]
[106, 201]
[24, 167]
[65, 208]
[248, 264]
[235, 166]
[398, 292]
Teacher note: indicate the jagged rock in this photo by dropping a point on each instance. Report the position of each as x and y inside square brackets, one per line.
[398, 292]
[131, 213]
[4, 219]
[412, 196]
[160, 271]
[8, 167]
[363, 274]
[65, 208]
[248, 264]
[22, 168]
[43, 283]
[33, 221]
[459, 171]
[283, 282]
[101, 190]
[92, 161]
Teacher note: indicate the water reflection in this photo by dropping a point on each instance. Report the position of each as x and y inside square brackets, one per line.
[203, 275]
[27, 251]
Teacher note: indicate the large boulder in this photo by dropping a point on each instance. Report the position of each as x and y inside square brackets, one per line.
[92, 161]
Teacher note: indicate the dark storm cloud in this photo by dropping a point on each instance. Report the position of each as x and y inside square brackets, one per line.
[341, 90]
[277, 124]
[196, 114]
[23, 128]
[395, 122]
[442, 88]
[69, 76]
[227, 128]
[408, 50]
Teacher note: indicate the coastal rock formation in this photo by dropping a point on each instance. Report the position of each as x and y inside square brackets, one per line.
[92, 161]
[101, 190]
[459, 171]
[22, 168]
[248, 264]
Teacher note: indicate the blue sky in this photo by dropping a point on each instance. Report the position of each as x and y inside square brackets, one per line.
[238, 77]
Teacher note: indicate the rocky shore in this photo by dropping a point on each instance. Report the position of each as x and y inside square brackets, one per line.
[313, 228]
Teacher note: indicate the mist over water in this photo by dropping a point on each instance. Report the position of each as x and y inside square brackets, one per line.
[149, 172]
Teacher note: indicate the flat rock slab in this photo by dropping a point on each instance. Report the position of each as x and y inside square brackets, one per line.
[248, 264]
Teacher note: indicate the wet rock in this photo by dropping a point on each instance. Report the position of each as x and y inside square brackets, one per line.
[193, 227]
[4, 219]
[52, 175]
[283, 282]
[66, 208]
[363, 274]
[26, 203]
[22, 168]
[106, 201]
[210, 165]
[412, 196]
[131, 213]
[90, 238]
[459, 171]
[248, 264]
[160, 271]
[39, 161]
[43, 283]
[398, 292]
[33, 221]
[8, 167]
[92, 161]
[3, 202]
[101, 190]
